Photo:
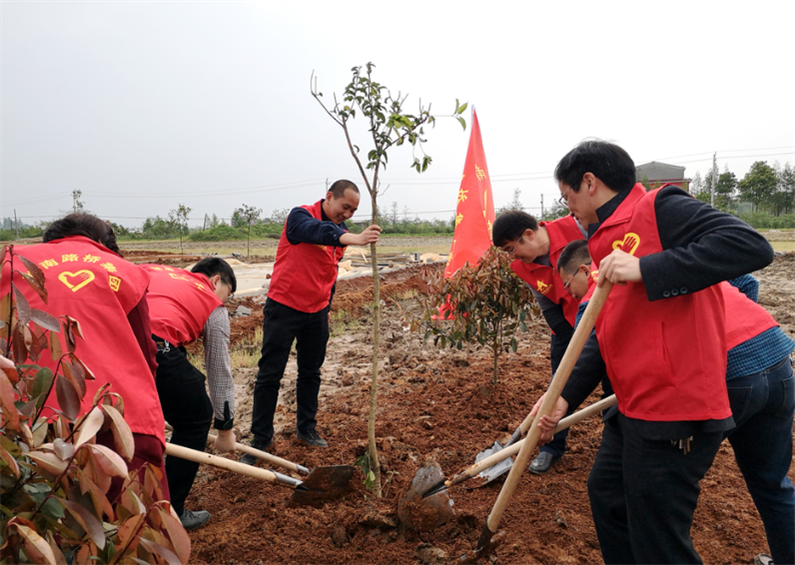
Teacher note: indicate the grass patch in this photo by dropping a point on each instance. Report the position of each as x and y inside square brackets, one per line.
[408, 294]
[783, 245]
[342, 321]
[242, 355]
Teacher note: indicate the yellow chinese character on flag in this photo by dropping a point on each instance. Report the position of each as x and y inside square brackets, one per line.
[108, 267]
[115, 283]
[69, 257]
[90, 259]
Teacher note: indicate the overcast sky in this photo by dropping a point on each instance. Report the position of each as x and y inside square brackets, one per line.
[146, 105]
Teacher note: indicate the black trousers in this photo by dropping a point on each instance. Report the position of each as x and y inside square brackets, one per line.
[188, 409]
[644, 492]
[281, 325]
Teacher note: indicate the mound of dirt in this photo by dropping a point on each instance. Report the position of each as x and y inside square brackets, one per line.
[440, 405]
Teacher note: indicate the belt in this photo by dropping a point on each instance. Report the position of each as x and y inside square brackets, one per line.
[163, 346]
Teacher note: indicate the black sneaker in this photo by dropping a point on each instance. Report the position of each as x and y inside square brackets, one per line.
[249, 459]
[310, 437]
[192, 520]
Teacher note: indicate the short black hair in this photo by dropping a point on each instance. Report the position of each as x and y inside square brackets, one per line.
[340, 186]
[607, 161]
[211, 266]
[87, 225]
[510, 225]
[573, 255]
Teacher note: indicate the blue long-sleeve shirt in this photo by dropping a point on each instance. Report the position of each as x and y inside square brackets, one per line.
[303, 228]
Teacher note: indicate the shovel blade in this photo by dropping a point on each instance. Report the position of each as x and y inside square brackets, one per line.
[498, 470]
[324, 484]
[425, 514]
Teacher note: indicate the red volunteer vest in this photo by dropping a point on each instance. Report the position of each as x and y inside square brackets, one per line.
[745, 318]
[546, 280]
[99, 289]
[179, 303]
[304, 274]
[666, 359]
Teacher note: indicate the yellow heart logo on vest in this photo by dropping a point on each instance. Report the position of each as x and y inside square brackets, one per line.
[76, 281]
[629, 244]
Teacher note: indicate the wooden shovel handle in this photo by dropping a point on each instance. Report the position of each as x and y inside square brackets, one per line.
[284, 463]
[235, 466]
[550, 399]
[513, 449]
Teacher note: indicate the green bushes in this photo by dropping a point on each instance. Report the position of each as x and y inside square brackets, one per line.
[764, 221]
[218, 233]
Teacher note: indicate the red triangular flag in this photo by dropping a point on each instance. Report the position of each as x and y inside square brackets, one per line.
[475, 209]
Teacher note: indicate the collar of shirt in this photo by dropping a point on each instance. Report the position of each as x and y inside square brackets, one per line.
[606, 210]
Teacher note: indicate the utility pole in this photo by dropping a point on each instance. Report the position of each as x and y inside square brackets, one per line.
[542, 205]
[16, 223]
[714, 180]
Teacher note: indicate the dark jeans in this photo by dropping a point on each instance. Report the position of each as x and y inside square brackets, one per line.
[188, 409]
[280, 326]
[643, 494]
[557, 446]
[762, 406]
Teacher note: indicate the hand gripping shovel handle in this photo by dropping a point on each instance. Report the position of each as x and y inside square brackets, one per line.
[235, 466]
[284, 463]
[485, 543]
[566, 422]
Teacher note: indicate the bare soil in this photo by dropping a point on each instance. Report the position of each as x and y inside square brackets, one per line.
[439, 405]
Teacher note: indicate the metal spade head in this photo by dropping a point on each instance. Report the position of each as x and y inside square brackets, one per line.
[487, 543]
[488, 475]
[324, 484]
[425, 514]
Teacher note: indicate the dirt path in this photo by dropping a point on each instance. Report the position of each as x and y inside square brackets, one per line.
[441, 404]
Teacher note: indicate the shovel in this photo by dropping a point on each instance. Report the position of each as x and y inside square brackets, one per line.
[283, 463]
[489, 468]
[489, 538]
[322, 484]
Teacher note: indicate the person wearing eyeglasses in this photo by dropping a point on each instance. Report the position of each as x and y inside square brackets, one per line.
[662, 339]
[761, 389]
[535, 247]
[185, 306]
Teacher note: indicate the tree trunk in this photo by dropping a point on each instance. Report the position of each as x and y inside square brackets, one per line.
[496, 354]
[375, 467]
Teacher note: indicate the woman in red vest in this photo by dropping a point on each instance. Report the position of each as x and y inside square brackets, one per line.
[536, 247]
[87, 280]
[662, 336]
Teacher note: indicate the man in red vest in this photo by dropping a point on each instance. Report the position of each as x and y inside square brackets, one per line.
[297, 309]
[663, 341]
[185, 306]
[86, 279]
[536, 247]
[761, 392]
